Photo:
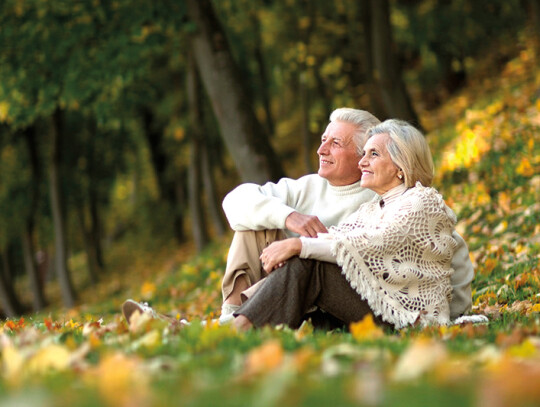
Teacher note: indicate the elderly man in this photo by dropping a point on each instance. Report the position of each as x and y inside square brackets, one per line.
[260, 215]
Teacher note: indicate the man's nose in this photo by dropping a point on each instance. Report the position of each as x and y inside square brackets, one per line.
[323, 148]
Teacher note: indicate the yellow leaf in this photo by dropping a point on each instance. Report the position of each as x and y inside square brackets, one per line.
[139, 322]
[179, 133]
[489, 265]
[501, 227]
[505, 200]
[535, 308]
[12, 362]
[421, 356]
[510, 382]
[453, 370]
[52, 357]
[265, 358]
[366, 329]
[121, 380]
[302, 359]
[525, 350]
[4, 107]
[94, 340]
[525, 168]
[149, 340]
[148, 290]
[305, 329]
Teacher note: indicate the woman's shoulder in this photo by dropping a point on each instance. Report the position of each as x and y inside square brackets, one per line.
[421, 192]
[422, 198]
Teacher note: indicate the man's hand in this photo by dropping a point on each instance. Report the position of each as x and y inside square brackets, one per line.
[277, 253]
[304, 225]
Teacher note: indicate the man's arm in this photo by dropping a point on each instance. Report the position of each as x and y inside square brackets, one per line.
[304, 225]
[271, 206]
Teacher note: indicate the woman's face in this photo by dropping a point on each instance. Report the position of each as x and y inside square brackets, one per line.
[379, 173]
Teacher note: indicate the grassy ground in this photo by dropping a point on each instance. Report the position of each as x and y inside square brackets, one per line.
[487, 141]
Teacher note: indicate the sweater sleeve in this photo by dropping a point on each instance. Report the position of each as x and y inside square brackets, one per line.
[319, 248]
[461, 278]
[255, 207]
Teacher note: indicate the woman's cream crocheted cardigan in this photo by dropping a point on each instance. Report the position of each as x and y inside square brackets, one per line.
[398, 258]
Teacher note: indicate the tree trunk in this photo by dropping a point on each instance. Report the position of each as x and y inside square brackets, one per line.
[199, 226]
[245, 137]
[306, 133]
[62, 270]
[160, 161]
[386, 70]
[535, 17]
[263, 75]
[8, 299]
[92, 265]
[36, 283]
[375, 96]
[212, 201]
[95, 230]
[196, 125]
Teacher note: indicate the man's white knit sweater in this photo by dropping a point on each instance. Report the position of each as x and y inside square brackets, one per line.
[255, 207]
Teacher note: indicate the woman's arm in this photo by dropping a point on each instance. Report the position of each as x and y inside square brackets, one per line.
[318, 249]
[277, 253]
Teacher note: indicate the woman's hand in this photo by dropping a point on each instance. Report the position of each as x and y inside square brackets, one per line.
[277, 253]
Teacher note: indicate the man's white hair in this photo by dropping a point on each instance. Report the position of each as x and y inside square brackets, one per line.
[361, 119]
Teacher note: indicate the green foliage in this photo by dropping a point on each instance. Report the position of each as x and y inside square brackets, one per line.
[78, 55]
[450, 37]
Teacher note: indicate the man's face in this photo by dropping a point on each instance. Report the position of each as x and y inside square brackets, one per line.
[338, 159]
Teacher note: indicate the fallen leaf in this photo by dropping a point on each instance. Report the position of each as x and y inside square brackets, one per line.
[366, 329]
[50, 358]
[265, 358]
[121, 380]
[421, 356]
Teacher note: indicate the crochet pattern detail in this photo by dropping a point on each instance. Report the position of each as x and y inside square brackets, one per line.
[398, 258]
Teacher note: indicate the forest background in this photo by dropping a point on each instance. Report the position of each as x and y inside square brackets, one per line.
[124, 123]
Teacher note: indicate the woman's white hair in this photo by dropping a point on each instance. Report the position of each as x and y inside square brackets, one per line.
[361, 119]
[408, 149]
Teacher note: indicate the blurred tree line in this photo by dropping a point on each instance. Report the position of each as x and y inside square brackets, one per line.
[130, 116]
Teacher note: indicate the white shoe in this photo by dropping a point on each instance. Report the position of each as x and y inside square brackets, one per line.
[227, 311]
[130, 306]
[473, 319]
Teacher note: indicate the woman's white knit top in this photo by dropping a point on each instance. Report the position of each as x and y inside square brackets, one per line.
[397, 255]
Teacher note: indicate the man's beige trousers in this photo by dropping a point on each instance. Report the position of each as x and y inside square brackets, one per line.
[243, 259]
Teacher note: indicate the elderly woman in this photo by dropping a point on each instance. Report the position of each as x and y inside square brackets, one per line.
[393, 255]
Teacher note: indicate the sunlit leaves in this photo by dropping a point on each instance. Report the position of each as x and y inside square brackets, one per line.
[120, 380]
[265, 358]
[366, 329]
[419, 358]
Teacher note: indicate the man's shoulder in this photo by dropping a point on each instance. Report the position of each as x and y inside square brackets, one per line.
[305, 181]
[314, 179]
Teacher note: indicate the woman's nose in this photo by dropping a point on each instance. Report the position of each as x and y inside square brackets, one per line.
[361, 162]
